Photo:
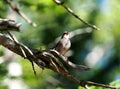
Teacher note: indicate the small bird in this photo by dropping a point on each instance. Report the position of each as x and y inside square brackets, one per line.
[64, 43]
[63, 46]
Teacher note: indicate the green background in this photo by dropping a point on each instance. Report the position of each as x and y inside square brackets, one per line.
[99, 50]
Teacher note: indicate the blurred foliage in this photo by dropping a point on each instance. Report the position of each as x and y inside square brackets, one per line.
[32, 80]
[3, 70]
[3, 73]
[52, 20]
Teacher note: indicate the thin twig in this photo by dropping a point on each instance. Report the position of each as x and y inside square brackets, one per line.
[101, 85]
[84, 83]
[17, 10]
[86, 87]
[76, 16]
[23, 52]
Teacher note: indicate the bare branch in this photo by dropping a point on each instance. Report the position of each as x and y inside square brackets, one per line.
[11, 45]
[58, 2]
[100, 85]
[45, 59]
[70, 64]
[17, 10]
[9, 25]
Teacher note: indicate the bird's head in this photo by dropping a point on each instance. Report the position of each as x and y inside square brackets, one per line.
[66, 35]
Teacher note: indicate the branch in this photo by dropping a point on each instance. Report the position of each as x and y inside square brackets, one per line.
[9, 25]
[17, 10]
[15, 47]
[81, 67]
[59, 2]
[45, 59]
[67, 62]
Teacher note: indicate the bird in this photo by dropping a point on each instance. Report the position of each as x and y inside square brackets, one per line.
[63, 44]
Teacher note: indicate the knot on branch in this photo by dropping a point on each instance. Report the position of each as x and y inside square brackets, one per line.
[82, 83]
[9, 25]
[59, 2]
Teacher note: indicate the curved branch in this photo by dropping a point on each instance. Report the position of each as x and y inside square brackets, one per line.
[45, 59]
[15, 47]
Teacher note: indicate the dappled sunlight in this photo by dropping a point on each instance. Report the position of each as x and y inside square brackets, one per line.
[14, 69]
[15, 84]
